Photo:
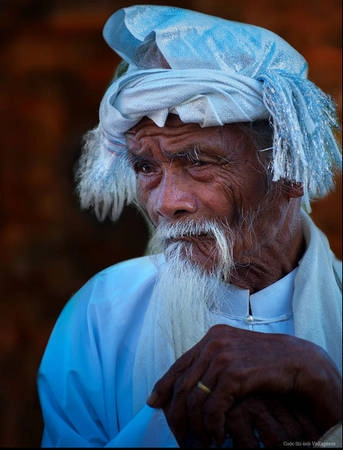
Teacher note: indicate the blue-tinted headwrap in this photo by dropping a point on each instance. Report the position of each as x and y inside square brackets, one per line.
[209, 71]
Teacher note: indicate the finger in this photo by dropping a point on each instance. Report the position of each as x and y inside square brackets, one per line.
[179, 415]
[279, 407]
[195, 403]
[295, 417]
[282, 419]
[179, 426]
[186, 405]
[164, 388]
[214, 416]
[273, 421]
[190, 441]
[218, 402]
[251, 424]
[185, 411]
[303, 416]
[239, 427]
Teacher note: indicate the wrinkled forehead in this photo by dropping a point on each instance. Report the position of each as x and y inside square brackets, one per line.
[173, 135]
[173, 126]
[176, 136]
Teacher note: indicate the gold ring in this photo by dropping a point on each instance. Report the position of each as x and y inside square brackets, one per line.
[204, 388]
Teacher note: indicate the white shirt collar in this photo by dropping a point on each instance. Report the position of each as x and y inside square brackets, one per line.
[268, 304]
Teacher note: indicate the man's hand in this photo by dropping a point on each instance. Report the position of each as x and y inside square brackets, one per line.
[235, 364]
[271, 419]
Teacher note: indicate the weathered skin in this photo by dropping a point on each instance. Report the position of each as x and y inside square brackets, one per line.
[282, 386]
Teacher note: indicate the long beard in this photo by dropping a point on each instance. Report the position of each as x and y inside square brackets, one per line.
[184, 300]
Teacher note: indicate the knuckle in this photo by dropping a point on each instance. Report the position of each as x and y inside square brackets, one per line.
[180, 387]
[158, 386]
[224, 360]
[215, 425]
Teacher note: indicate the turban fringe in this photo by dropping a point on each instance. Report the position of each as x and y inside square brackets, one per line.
[105, 180]
[305, 149]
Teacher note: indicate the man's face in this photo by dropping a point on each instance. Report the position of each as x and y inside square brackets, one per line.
[187, 172]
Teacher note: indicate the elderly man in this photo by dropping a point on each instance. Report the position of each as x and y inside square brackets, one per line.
[227, 333]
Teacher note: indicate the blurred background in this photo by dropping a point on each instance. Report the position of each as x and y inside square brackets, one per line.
[55, 67]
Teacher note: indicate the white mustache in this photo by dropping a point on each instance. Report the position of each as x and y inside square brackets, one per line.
[190, 228]
[216, 229]
[187, 229]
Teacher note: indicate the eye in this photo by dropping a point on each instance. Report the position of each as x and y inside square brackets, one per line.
[143, 167]
[200, 163]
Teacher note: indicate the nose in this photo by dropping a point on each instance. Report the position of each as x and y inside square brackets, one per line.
[175, 196]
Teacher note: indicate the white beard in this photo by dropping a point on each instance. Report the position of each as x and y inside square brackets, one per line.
[182, 304]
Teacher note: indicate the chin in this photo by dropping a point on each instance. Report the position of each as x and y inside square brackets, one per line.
[202, 255]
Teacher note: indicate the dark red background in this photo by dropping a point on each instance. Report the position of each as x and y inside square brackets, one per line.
[54, 69]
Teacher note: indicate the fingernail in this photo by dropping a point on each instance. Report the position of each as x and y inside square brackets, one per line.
[152, 400]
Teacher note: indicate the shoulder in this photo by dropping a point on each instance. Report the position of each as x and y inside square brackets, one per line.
[144, 264]
[111, 296]
[129, 273]
[120, 282]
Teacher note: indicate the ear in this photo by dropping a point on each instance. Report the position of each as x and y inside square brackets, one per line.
[292, 189]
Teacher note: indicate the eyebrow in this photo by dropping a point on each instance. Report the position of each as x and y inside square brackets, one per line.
[195, 152]
[192, 152]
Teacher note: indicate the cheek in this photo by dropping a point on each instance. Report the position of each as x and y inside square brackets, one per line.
[248, 190]
[234, 197]
[143, 194]
[224, 195]
[218, 199]
[147, 200]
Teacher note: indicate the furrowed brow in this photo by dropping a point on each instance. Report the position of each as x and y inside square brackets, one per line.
[135, 159]
[196, 153]
[147, 153]
[191, 153]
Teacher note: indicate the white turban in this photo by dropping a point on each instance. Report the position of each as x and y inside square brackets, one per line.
[209, 71]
